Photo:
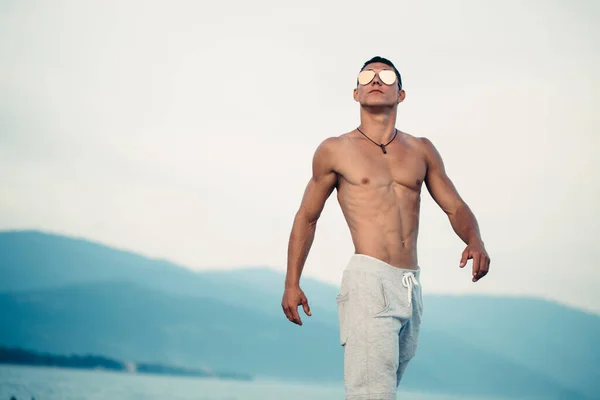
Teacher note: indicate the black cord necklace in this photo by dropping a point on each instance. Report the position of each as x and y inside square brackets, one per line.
[380, 144]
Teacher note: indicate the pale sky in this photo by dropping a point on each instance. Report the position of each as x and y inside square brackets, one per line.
[185, 130]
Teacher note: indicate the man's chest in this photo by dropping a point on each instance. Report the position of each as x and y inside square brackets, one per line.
[402, 166]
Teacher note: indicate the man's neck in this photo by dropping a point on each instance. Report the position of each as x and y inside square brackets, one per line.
[380, 127]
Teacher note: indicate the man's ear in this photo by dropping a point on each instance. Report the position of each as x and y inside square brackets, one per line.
[401, 96]
[355, 94]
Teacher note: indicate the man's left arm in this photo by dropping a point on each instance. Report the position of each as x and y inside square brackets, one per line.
[461, 217]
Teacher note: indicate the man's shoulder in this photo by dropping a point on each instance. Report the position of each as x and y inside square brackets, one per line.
[330, 151]
[416, 140]
[333, 143]
[422, 143]
[424, 147]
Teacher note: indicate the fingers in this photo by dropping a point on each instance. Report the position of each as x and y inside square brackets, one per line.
[481, 262]
[295, 317]
[476, 263]
[484, 266]
[306, 307]
[465, 257]
[286, 311]
[292, 314]
[290, 308]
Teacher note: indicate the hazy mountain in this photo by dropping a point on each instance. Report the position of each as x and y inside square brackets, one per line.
[65, 295]
[544, 336]
[34, 260]
[126, 321]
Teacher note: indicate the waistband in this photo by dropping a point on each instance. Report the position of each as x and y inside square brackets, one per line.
[365, 263]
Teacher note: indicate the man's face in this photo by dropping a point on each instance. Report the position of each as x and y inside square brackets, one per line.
[377, 93]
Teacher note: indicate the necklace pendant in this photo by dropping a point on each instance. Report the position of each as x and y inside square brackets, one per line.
[383, 148]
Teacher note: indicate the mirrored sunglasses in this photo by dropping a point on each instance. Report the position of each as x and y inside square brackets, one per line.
[386, 76]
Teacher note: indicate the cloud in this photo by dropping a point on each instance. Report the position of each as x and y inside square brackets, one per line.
[187, 133]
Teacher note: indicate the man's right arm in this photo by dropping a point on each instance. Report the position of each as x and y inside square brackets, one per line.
[318, 190]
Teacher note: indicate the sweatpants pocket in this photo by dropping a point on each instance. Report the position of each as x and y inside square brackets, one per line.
[381, 302]
[342, 305]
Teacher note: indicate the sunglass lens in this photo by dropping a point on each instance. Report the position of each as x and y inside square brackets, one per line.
[388, 77]
[365, 77]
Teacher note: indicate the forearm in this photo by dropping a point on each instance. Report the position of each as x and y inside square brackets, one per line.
[301, 240]
[465, 224]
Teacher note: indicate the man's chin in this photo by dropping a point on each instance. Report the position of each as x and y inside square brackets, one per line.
[377, 105]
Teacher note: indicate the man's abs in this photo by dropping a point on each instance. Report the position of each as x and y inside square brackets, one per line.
[383, 222]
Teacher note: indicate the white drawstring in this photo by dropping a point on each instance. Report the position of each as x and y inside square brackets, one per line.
[408, 279]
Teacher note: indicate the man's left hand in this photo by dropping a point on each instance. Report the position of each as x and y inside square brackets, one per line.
[481, 260]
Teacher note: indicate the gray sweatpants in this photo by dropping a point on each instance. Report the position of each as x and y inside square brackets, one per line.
[379, 309]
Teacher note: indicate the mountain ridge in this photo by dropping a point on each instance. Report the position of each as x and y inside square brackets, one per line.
[154, 327]
[102, 287]
[207, 272]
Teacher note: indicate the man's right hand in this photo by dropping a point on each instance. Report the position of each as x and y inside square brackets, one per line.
[292, 298]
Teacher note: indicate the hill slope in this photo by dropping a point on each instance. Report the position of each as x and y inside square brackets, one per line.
[33, 260]
[71, 295]
[126, 321]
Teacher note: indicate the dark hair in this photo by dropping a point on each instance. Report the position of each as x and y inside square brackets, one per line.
[387, 62]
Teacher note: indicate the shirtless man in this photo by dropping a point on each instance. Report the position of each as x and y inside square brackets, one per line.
[378, 172]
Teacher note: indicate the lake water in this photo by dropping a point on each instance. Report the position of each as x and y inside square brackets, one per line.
[69, 384]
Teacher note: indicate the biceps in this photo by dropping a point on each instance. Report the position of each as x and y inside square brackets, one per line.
[443, 192]
[316, 194]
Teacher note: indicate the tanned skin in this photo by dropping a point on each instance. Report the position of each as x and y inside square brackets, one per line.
[379, 194]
